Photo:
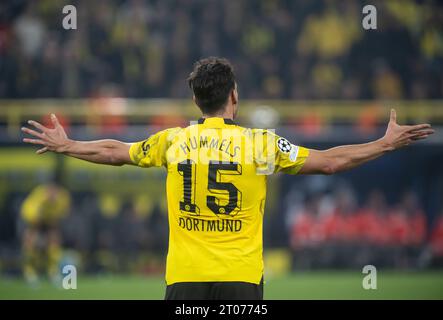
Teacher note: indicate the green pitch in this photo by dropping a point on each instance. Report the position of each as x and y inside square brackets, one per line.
[311, 285]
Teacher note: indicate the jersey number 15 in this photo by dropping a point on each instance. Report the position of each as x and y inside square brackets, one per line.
[216, 170]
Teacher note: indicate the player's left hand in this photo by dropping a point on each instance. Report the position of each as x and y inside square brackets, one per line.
[54, 139]
[398, 136]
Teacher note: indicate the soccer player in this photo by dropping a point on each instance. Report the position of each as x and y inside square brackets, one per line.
[216, 182]
[41, 212]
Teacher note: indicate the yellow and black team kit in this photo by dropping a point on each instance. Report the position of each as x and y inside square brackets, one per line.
[42, 211]
[216, 193]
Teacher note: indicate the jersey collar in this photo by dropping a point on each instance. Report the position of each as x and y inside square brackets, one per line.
[215, 121]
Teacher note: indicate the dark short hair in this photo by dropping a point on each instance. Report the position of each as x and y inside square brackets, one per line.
[212, 81]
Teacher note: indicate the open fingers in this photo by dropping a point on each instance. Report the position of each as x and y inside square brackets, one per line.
[425, 131]
[418, 127]
[42, 150]
[34, 141]
[55, 120]
[421, 132]
[420, 137]
[37, 125]
[32, 132]
[393, 117]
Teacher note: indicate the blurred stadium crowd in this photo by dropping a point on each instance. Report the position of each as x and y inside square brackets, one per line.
[281, 49]
[115, 220]
[334, 230]
[330, 228]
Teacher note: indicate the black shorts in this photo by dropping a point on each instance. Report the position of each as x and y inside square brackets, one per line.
[214, 291]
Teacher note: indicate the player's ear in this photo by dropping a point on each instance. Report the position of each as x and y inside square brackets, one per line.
[234, 96]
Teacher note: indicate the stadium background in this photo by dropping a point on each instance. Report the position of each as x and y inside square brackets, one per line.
[306, 68]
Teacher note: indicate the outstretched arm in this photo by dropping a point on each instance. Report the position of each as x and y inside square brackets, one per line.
[347, 157]
[107, 151]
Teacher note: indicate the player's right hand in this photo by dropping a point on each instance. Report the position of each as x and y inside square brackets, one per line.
[398, 136]
[54, 139]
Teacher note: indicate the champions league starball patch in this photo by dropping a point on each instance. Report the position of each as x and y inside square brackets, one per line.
[284, 145]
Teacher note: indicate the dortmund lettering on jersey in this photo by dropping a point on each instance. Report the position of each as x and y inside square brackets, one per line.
[216, 192]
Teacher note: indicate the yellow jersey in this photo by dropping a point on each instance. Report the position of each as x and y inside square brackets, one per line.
[46, 205]
[216, 192]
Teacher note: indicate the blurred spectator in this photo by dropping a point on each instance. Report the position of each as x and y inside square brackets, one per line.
[436, 242]
[409, 221]
[30, 32]
[338, 226]
[42, 211]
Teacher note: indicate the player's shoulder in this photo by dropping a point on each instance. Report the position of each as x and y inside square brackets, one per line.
[173, 130]
[269, 138]
[258, 133]
[169, 134]
[163, 137]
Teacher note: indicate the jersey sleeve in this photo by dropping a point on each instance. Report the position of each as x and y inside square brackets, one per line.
[152, 151]
[276, 154]
[289, 158]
